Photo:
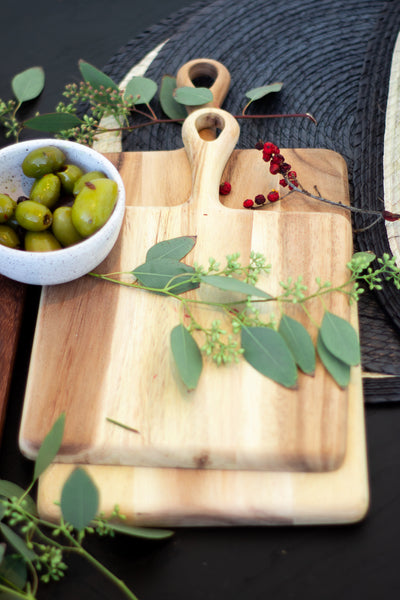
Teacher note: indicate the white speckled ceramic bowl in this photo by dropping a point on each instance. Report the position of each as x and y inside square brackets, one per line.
[58, 266]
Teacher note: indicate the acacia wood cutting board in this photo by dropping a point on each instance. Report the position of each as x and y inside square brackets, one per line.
[102, 350]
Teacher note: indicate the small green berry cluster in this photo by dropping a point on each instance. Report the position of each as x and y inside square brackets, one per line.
[8, 119]
[101, 101]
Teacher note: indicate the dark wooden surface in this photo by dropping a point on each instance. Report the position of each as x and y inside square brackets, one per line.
[282, 563]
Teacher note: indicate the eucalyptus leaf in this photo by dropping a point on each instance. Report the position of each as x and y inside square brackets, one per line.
[17, 543]
[169, 105]
[158, 273]
[187, 356]
[50, 447]
[28, 84]
[53, 122]
[266, 350]
[299, 342]
[193, 96]
[95, 77]
[141, 532]
[13, 570]
[141, 90]
[264, 90]
[175, 248]
[232, 284]
[367, 257]
[339, 370]
[9, 490]
[340, 338]
[79, 499]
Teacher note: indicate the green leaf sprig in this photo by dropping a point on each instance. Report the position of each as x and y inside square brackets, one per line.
[131, 108]
[34, 550]
[278, 350]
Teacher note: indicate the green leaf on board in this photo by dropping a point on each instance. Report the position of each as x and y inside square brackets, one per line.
[299, 342]
[28, 84]
[141, 532]
[79, 499]
[169, 105]
[17, 543]
[13, 570]
[339, 370]
[175, 248]
[266, 350]
[50, 447]
[95, 77]
[9, 490]
[158, 273]
[340, 338]
[193, 96]
[140, 90]
[231, 284]
[187, 356]
[264, 90]
[53, 122]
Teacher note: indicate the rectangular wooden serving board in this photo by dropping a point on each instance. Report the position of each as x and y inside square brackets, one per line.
[101, 351]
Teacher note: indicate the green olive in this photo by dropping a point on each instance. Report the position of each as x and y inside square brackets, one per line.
[7, 207]
[86, 177]
[41, 241]
[39, 162]
[46, 190]
[93, 205]
[33, 216]
[68, 176]
[63, 228]
[8, 237]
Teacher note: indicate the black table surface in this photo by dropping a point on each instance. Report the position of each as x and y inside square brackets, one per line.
[282, 563]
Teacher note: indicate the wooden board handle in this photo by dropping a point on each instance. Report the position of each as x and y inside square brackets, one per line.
[205, 67]
[208, 158]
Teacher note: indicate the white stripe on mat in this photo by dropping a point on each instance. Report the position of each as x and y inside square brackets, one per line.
[391, 154]
[112, 141]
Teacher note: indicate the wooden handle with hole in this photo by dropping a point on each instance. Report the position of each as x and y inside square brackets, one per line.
[205, 67]
[208, 158]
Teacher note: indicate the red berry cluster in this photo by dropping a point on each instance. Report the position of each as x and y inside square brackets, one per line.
[272, 154]
[260, 199]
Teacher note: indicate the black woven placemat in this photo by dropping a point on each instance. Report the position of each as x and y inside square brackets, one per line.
[334, 59]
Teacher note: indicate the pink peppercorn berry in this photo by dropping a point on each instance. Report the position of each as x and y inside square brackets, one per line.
[389, 216]
[248, 203]
[225, 188]
[273, 196]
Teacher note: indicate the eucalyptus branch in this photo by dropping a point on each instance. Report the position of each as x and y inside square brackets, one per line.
[32, 537]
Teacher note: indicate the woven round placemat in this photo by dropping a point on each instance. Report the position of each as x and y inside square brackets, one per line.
[324, 52]
[383, 317]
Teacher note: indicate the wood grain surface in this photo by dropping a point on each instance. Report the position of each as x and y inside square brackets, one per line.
[207, 497]
[12, 296]
[105, 348]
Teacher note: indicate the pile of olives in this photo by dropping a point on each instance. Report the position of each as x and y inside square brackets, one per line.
[65, 204]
